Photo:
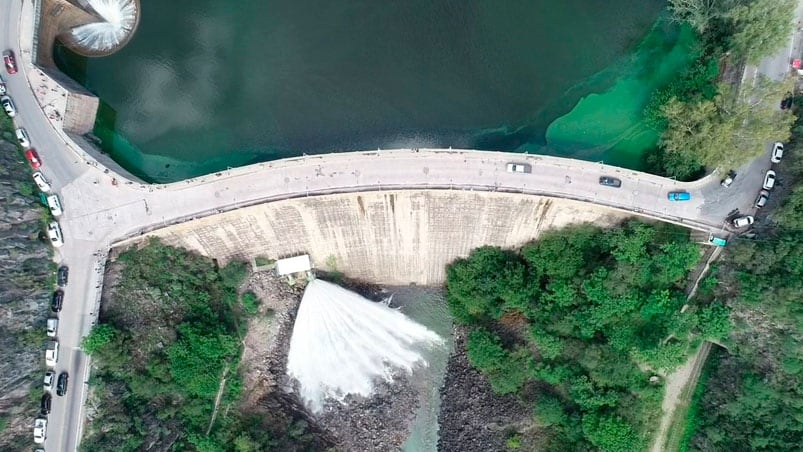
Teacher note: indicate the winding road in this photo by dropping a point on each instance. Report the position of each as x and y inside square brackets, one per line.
[102, 208]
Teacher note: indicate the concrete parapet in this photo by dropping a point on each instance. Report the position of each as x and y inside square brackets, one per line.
[392, 237]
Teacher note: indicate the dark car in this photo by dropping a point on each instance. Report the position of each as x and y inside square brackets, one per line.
[58, 299]
[610, 181]
[46, 399]
[61, 385]
[63, 274]
[786, 103]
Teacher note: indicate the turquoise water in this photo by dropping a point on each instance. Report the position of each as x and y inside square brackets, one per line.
[204, 86]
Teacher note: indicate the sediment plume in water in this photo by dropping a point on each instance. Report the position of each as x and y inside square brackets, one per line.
[120, 17]
[342, 343]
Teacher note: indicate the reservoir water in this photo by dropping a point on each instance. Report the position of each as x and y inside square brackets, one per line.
[206, 85]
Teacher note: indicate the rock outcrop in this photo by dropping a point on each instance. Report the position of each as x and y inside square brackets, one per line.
[26, 275]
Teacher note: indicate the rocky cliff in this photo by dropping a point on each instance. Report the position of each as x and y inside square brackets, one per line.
[26, 278]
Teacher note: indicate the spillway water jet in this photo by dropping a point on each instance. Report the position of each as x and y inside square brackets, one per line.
[120, 18]
[342, 343]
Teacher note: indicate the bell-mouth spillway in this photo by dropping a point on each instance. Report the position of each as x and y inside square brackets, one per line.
[92, 28]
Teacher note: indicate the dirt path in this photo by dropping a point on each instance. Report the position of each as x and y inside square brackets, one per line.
[680, 387]
[217, 398]
[681, 383]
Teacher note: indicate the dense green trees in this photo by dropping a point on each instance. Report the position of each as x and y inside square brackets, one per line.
[756, 28]
[705, 125]
[725, 131]
[574, 321]
[753, 396]
[160, 350]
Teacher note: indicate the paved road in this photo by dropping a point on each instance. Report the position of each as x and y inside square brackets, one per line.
[98, 213]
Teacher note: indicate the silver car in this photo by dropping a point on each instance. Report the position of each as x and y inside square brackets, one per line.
[22, 137]
[743, 221]
[8, 106]
[769, 180]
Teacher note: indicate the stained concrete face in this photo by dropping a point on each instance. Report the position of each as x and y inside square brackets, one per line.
[386, 237]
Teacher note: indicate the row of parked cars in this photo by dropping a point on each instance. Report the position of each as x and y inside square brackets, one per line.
[770, 178]
[51, 379]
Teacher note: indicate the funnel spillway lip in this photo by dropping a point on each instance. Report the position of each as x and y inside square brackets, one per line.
[117, 20]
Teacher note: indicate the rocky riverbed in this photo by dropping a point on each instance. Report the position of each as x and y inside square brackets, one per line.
[26, 273]
[380, 422]
[473, 418]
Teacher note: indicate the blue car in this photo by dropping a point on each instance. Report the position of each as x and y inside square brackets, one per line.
[679, 196]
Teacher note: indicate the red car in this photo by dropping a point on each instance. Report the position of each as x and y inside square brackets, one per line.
[10, 62]
[33, 157]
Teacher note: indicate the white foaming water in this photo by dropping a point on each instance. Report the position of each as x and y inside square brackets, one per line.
[120, 17]
[342, 343]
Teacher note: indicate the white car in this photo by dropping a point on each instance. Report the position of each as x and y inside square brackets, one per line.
[54, 203]
[777, 152]
[54, 234]
[8, 106]
[50, 377]
[52, 354]
[3, 89]
[519, 168]
[39, 430]
[41, 182]
[769, 180]
[743, 221]
[52, 327]
[22, 137]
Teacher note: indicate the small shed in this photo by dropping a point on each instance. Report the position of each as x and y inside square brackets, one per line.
[292, 265]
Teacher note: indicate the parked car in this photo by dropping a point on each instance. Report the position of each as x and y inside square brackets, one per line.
[39, 430]
[61, 385]
[741, 222]
[45, 403]
[763, 197]
[22, 138]
[63, 275]
[3, 89]
[769, 180]
[10, 61]
[679, 196]
[54, 234]
[54, 204]
[777, 152]
[52, 327]
[49, 377]
[57, 301]
[786, 102]
[41, 182]
[8, 106]
[610, 181]
[519, 168]
[33, 158]
[728, 179]
[52, 354]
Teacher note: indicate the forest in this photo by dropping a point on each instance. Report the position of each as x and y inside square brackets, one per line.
[582, 324]
[753, 396]
[168, 334]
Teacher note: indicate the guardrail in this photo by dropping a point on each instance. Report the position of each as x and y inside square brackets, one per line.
[685, 222]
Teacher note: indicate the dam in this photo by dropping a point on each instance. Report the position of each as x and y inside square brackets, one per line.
[394, 237]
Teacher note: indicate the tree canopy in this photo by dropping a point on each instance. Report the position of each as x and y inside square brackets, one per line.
[572, 322]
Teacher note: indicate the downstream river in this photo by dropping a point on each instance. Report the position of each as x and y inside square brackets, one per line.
[206, 85]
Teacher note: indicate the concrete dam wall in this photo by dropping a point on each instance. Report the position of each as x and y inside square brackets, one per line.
[387, 237]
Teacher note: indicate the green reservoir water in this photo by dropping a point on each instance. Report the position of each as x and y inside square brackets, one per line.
[206, 85]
